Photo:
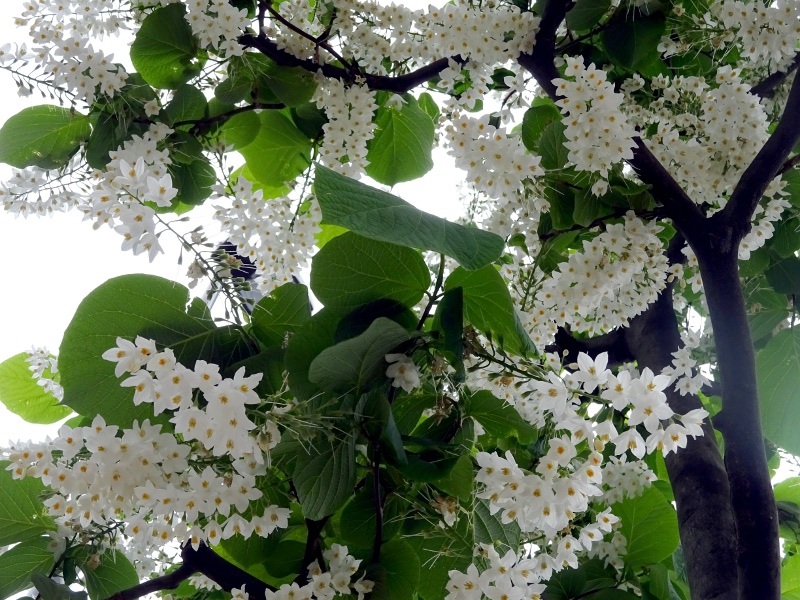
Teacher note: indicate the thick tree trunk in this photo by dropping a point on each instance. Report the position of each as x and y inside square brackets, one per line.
[699, 481]
[758, 555]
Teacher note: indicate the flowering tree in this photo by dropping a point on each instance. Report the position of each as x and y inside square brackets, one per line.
[505, 408]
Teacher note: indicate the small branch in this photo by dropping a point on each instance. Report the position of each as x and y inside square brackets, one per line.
[203, 560]
[198, 123]
[313, 548]
[398, 84]
[434, 294]
[377, 501]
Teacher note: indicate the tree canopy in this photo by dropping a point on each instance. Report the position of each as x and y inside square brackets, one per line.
[581, 390]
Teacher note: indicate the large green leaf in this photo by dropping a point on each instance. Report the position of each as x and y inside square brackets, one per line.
[20, 393]
[784, 276]
[400, 150]
[352, 270]
[164, 49]
[18, 564]
[279, 152]
[788, 490]
[357, 363]
[536, 120]
[241, 129]
[42, 136]
[790, 578]
[325, 475]
[489, 307]
[498, 417]
[489, 529]
[293, 86]
[304, 346]
[114, 573]
[285, 310]
[382, 216]
[358, 518]
[633, 42]
[397, 574]
[52, 590]
[650, 525]
[22, 514]
[188, 104]
[778, 371]
[194, 180]
[128, 306]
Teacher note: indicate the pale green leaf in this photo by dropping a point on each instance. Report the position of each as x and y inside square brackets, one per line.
[650, 525]
[114, 573]
[42, 136]
[279, 152]
[21, 394]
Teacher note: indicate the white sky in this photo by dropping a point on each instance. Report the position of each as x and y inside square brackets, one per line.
[50, 264]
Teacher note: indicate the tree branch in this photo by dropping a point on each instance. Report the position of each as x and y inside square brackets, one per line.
[203, 560]
[377, 501]
[312, 548]
[398, 84]
[766, 88]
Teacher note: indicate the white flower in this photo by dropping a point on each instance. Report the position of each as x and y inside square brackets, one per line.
[402, 371]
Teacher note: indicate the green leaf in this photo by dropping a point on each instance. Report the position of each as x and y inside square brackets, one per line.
[790, 578]
[325, 475]
[109, 132]
[22, 514]
[498, 417]
[114, 574]
[788, 490]
[20, 393]
[650, 526]
[585, 14]
[588, 208]
[279, 152]
[440, 552]
[398, 573]
[786, 239]
[778, 373]
[194, 181]
[304, 346]
[43, 136]
[187, 104]
[286, 309]
[428, 104]
[460, 480]
[293, 86]
[250, 551]
[128, 306]
[382, 216]
[551, 146]
[286, 560]
[51, 590]
[20, 562]
[352, 270]
[489, 307]
[164, 49]
[488, 529]
[358, 517]
[535, 121]
[633, 43]
[359, 363]
[562, 207]
[400, 150]
[784, 275]
[241, 129]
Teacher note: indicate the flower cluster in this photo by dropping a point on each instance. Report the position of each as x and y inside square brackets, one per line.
[44, 367]
[349, 110]
[496, 163]
[135, 179]
[60, 31]
[222, 426]
[102, 475]
[276, 235]
[615, 277]
[597, 131]
[41, 192]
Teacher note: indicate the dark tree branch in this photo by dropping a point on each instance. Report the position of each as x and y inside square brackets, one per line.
[313, 548]
[766, 88]
[203, 560]
[613, 342]
[398, 84]
[540, 60]
[732, 223]
[758, 555]
[377, 501]
[699, 481]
